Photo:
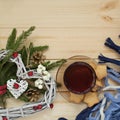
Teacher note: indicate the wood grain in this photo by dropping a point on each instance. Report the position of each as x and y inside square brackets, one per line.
[70, 42]
[69, 27]
[57, 13]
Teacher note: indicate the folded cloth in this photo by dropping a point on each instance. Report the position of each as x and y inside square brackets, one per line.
[84, 115]
[104, 59]
[62, 118]
[109, 43]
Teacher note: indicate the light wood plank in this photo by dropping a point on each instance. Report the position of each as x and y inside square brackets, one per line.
[70, 42]
[60, 13]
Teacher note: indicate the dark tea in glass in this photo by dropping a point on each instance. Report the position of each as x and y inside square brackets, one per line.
[79, 77]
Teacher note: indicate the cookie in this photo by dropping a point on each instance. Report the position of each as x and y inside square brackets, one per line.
[95, 88]
[76, 98]
[93, 65]
[91, 98]
[99, 83]
[101, 71]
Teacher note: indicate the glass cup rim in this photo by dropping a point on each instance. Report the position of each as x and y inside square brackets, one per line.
[59, 73]
[93, 76]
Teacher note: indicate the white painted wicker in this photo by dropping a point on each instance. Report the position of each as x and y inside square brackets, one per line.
[28, 108]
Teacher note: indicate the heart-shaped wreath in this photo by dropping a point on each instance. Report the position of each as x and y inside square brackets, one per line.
[24, 75]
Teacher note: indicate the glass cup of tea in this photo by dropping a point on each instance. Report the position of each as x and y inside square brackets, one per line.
[76, 76]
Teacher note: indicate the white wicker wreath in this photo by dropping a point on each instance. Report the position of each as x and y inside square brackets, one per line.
[31, 107]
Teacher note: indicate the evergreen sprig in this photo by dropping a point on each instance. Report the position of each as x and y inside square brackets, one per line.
[38, 48]
[13, 42]
[51, 65]
[12, 45]
[26, 53]
[6, 59]
[22, 37]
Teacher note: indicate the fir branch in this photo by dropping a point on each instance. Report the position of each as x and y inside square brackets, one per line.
[8, 67]
[31, 46]
[7, 72]
[46, 63]
[14, 45]
[6, 59]
[11, 39]
[40, 48]
[53, 65]
[22, 37]
[26, 53]
[23, 53]
[33, 49]
[24, 98]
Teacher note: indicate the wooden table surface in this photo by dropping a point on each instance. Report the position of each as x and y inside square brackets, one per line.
[69, 27]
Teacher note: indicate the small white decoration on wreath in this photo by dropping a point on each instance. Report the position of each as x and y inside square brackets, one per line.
[16, 87]
[19, 86]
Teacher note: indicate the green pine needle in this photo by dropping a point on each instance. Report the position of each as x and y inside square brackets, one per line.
[26, 53]
[40, 48]
[33, 49]
[6, 59]
[22, 37]
[11, 39]
[46, 63]
[53, 65]
[13, 42]
[23, 53]
[24, 98]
